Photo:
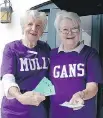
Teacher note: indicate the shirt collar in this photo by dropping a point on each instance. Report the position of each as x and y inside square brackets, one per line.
[77, 49]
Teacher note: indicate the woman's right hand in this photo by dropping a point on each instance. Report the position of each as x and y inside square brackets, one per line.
[30, 98]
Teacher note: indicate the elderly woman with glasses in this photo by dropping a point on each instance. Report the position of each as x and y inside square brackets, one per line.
[25, 62]
[75, 71]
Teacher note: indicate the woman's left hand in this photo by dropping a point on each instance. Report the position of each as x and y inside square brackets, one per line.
[77, 98]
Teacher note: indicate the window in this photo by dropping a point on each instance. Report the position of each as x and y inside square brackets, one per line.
[45, 33]
[86, 26]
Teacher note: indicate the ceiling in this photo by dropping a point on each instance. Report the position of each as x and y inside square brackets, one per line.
[82, 7]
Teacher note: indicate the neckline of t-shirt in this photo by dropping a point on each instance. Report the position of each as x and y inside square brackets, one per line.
[73, 51]
[20, 41]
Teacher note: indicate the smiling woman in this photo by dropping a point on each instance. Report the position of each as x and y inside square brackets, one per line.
[33, 24]
[25, 62]
[68, 29]
[73, 70]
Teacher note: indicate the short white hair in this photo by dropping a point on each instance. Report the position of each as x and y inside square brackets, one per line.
[35, 14]
[61, 15]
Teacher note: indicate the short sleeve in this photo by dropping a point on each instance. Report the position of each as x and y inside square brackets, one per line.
[8, 65]
[94, 68]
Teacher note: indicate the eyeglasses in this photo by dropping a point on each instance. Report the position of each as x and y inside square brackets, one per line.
[72, 30]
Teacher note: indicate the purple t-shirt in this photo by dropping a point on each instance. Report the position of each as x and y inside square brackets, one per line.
[29, 66]
[69, 72]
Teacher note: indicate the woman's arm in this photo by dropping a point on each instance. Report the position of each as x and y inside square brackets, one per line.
[93, 77]
[90, 91]
[14, 92]
[8, 81]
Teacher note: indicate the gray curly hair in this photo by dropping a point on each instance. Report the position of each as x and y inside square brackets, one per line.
[61, 15]
[35, 14]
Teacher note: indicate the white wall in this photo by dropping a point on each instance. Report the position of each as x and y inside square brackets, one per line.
[12, 31]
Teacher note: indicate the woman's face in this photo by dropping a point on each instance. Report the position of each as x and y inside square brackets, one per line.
[69, 32]
[33, 29]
